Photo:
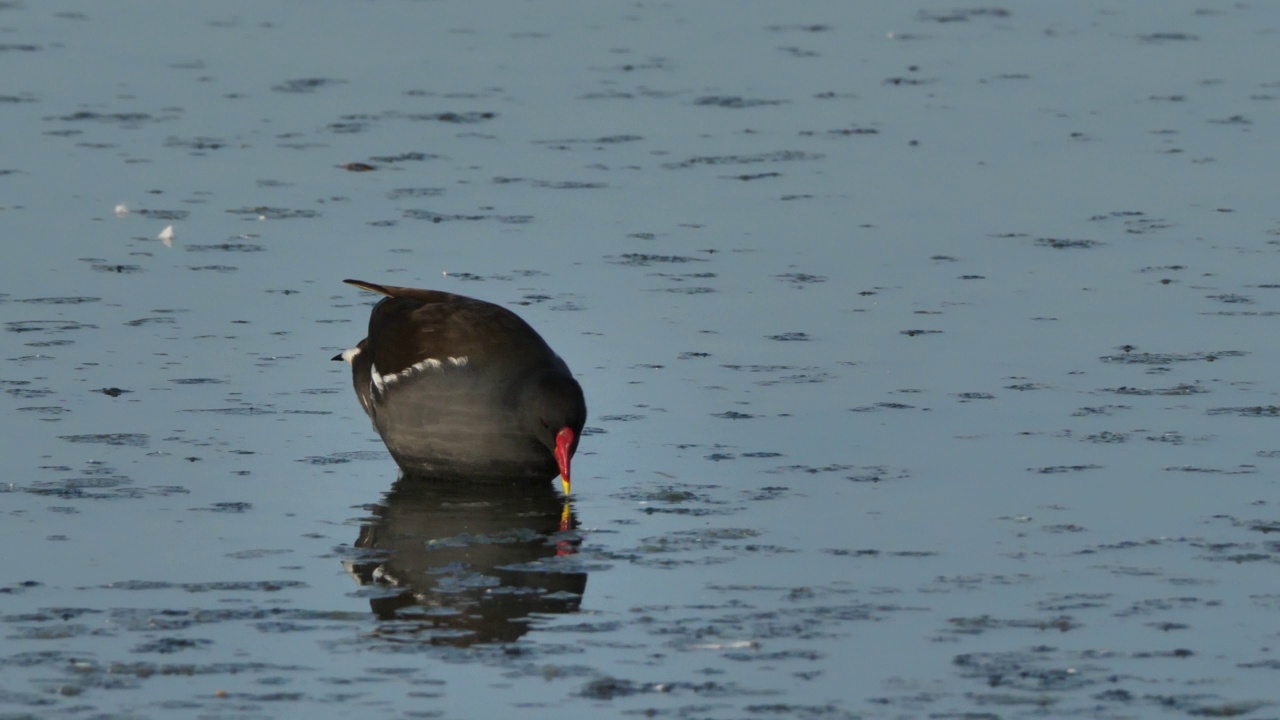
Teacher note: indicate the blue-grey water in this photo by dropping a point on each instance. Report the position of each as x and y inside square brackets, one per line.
[928, 350]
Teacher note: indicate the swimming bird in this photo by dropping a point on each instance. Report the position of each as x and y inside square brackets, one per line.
[462, 388]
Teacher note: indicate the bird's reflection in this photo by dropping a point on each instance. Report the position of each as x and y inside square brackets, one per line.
[463, 563]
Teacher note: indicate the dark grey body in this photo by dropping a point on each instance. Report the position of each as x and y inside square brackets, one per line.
[462, 388]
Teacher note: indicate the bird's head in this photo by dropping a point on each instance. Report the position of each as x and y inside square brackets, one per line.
[559, 411]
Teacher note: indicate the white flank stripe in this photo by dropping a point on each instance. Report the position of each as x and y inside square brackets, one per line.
[381, 382]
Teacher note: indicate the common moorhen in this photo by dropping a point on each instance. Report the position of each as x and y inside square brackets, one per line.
[462, 388]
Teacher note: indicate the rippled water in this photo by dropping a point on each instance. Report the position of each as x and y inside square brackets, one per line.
[928, 353]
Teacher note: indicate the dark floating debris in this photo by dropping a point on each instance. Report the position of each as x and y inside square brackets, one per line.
[456, 118]
[112, 391]
[59, 300]
[225, 247]
[800, 279]
[914, 333]
[759, 368]
[98, 486]
[125, 118]
[122, 439]
[151, 321]
[1056, 469]
[1181, 390]
[435, 217]
[1163, 37]
[608, 688]
[199, 142]
[882, 406]
[962, 14]
[756, 176]
[842, 132]
[164, 214]
[605, 140]
[1252, 411]
[226, 507]
[23, 326]
[552, 184]
[246, 411]
[1065, 243]
[1106, 437]
[343, 457]
[1117, 214]
[809, 469]
[907, 81]
[769, 157]
[646, 259]
[690, 290]
[1135, 221]
[214, 586]
[400, 193]
[305, 85]
[815, 28]
[876, 474]
[1232, 299]
[734, 102]
[1238, 470]
[405, 157]
[45, 410]
[1242, 313]
[348, 127]
[1233, 120]
[168, 645]
[796, 379]
[273, 213]
[871, 552]
[1137, 358]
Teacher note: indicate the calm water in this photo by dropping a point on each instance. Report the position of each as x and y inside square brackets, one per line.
[928, 353]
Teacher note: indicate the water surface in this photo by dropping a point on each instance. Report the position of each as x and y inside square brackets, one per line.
[927, 352]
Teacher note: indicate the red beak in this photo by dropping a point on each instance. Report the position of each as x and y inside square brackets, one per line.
[564, 449]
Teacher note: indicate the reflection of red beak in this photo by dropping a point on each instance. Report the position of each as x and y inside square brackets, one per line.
[564, 449]
[565, 547]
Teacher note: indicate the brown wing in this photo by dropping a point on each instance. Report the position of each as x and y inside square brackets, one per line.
[412, 324]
